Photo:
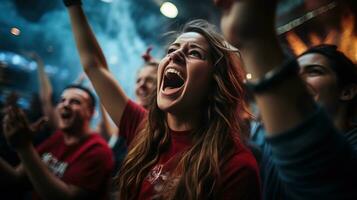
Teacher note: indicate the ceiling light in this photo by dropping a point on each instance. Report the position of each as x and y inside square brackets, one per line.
[15, 31]
[169, 10]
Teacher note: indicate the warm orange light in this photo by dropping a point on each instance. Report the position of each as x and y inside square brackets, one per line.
[345, 38]
[297, 45]
[331, 37]
[15, 31]
[315, 39]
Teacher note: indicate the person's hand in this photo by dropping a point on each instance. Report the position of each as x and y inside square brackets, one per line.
[69, 3]
[33, 55]
[17, 131]
[11, 99]
[246, 20]
[147, 56]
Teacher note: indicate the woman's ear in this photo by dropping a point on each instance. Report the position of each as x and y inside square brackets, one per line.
[348, 92]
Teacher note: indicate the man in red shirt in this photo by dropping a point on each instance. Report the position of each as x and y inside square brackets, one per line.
[73, 163]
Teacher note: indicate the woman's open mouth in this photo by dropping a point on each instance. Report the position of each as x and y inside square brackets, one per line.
[173, 81]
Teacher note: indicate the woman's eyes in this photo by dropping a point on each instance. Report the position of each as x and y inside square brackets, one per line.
[170, 50]
[192, 53]
[195, 53]
[315, 71]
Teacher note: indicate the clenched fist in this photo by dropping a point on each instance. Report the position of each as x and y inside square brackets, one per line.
[245, 20]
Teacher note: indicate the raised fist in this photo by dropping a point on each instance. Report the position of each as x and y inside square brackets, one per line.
[243, 20]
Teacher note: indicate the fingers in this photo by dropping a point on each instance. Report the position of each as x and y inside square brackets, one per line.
[39, 124]
[17, 115]
[6, 124]
[9, 119]
[14, 118]
[21, 117]
[16, 128]
[146, 56]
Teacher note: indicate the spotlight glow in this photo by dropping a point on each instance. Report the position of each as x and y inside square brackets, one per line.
[249, 76]
[15, 31]
[169, 10]
[107, 1]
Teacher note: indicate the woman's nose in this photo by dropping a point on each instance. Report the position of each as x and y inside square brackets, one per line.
[178, 56]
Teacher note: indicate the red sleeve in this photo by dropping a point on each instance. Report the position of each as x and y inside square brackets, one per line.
[241, 178]
[92, 171]
[132, 117]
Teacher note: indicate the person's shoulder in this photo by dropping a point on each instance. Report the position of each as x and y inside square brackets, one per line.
[98, 149]
[98, 143]
[131, 106]
[242, 158]
[95, 137]
[241, 171]
[55, 139]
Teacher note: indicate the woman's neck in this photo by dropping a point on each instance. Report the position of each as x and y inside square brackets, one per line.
[183, 122]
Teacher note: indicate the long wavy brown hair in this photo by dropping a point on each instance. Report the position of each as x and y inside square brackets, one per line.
[214, 141]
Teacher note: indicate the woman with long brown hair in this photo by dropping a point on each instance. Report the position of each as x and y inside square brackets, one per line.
[189, 144]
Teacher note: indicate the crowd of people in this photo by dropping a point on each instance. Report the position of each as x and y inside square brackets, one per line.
[187, 134]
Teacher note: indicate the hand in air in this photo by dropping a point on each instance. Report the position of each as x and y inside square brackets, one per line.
[17, 130]
[246, 20]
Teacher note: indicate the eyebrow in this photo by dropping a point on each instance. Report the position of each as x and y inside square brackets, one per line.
[312, 65]
[191, 45]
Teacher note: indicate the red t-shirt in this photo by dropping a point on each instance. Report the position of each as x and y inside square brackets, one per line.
[87, 165]
[240, 175]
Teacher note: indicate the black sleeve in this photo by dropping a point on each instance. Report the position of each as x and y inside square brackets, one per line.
[314, 161]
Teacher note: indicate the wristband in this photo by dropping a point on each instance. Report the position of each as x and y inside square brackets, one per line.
[274, 76]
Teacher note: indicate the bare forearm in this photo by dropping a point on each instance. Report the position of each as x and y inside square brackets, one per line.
[45, 183]
[44, 82]
[283, 101]
[8, 174]
[286, 104]
[46, 93]
[95, 66]
[104, 125]
[89, 50]
[110, 92]
[49, 112]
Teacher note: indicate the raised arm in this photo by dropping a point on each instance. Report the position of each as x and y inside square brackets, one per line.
[95, 66]
[305, 157]
[250, 25]
[46, 92]
[104, 127]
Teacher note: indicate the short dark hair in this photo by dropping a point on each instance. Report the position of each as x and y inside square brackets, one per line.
[345, 69]
[85, 89]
